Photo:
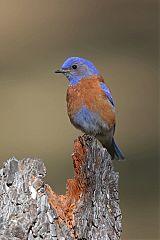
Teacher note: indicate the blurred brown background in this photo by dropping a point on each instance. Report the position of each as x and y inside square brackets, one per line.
[120, 37]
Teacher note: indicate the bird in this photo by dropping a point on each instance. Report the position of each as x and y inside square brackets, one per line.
[90, 105]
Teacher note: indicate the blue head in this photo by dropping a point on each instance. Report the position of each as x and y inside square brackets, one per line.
[75, 68]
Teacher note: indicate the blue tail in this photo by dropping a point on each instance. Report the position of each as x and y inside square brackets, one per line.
[117, 154]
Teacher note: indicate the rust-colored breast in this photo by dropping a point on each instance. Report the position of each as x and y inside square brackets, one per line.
[89, 93]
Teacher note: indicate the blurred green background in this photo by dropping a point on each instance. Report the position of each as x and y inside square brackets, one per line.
[121, 38]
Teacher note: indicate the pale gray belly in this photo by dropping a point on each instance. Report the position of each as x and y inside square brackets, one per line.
[89, 122]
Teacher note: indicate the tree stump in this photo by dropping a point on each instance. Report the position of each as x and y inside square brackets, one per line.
[30, 209]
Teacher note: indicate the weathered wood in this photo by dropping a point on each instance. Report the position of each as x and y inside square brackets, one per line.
[29, 209]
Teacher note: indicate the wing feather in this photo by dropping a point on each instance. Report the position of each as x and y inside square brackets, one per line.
[107, 92]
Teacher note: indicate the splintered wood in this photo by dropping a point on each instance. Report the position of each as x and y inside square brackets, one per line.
[89, 210]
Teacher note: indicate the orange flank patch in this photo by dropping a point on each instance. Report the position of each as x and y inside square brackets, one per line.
[65, 205]
[89, 93]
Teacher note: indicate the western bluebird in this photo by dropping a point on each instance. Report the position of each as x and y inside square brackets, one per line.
[90, 104]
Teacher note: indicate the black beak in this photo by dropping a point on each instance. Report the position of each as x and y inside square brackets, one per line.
[60, 71]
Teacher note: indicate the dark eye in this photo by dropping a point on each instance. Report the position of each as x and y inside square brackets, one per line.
[74, 66]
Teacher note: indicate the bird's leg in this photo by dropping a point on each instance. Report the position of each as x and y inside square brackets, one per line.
[88, 137]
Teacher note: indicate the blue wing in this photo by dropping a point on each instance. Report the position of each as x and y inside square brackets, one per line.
[108, 93]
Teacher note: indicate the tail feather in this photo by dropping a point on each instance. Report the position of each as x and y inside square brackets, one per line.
[112, 147]
[117, 153]
[114, 151]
